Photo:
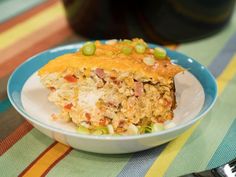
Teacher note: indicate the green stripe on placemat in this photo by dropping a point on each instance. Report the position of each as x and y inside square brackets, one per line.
[21, 154]
[201, 146]
[226, 151]
[79, 163]
[11, 8]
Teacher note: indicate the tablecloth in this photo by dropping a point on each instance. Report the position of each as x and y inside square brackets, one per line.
[30, 26]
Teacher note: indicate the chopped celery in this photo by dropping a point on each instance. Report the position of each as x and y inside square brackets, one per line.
[132, 129]
[83, 130]
[110, 129]
[140, 48]
[169, 124]
[100, 130]
[156, 127]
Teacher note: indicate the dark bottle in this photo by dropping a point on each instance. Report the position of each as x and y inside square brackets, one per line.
[160, 21]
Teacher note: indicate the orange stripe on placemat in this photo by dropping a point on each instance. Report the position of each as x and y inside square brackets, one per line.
[46, 160]
[10, 140]
[25, 15]
[39, 46]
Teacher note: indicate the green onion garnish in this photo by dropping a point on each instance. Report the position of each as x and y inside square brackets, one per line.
[159, 53]
[140, 48]
[89, 48]
[126, 50]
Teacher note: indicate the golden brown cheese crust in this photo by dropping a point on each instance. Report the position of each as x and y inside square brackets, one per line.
[109, 57]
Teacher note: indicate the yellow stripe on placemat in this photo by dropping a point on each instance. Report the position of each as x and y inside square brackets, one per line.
[23, 29]
[43, 163]
[163, 161]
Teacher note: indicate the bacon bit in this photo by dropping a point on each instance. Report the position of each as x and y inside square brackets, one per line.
[100, 73]
[138, 89]
[70, 78]
[52, 89]
[88, 116]
[68, 106]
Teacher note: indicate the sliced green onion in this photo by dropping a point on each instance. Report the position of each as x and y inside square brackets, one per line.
[82, 130]
[127, 41]
[148, 129]
[140, 48]
[89, 48]
[157, 127]
[149, 61]
[159, 53]
[126, 50]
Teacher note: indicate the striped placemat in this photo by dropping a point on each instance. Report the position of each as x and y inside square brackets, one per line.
[35, 25]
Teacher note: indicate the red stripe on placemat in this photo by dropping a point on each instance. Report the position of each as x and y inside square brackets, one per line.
[50, 41]
[10, 140]
[25, 15]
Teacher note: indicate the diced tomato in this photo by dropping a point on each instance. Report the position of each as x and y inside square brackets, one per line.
[70, 78]
[68, 106]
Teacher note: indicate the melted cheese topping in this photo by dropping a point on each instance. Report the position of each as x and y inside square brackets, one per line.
[110, 57]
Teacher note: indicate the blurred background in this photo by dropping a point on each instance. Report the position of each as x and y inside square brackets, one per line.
[159, 21]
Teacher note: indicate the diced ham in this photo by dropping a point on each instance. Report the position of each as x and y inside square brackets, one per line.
[100, 73]
[138, 89]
